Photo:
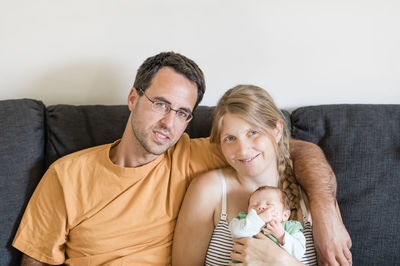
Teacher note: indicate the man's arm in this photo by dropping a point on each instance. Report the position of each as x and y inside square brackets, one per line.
[315, 175]
[29, 261]
[44, 224]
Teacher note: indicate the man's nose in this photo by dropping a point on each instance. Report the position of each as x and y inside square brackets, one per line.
[168, 119]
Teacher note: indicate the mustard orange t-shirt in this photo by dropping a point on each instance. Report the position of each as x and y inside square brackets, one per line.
[88, 211]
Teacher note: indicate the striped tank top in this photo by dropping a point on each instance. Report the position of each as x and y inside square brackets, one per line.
[220, 246]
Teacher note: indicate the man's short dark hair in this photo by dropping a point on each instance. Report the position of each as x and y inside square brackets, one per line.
[179, 63]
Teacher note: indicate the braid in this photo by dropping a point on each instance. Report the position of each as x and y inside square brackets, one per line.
[291, 188]
[288, 181]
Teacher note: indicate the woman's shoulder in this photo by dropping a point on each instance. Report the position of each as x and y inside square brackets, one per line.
[207, 179]
[209, 182]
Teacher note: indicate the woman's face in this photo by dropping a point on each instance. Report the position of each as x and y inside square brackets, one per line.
[248, 150]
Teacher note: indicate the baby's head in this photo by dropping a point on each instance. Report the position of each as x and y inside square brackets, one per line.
[270, 199]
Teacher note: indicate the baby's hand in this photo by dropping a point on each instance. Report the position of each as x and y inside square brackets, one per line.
[267, 214]
[276, 229]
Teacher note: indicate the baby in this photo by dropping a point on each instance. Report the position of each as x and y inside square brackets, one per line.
[269, 208]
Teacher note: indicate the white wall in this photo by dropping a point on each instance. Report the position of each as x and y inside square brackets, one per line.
[303, 52]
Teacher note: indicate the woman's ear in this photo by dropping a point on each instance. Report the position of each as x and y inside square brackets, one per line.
[278, 130]
[132, 98]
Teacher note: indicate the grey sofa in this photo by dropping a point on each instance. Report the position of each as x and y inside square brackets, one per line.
[362, 143]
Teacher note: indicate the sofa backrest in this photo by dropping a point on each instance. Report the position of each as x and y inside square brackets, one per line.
[362, 143]
[22, 137]
[72, 128]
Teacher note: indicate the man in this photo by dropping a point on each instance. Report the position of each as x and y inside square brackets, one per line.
[117, 204]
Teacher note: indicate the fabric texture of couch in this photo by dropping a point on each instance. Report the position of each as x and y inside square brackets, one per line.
[362, 143]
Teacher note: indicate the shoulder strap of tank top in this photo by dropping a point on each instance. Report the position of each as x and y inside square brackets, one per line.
[223, 207]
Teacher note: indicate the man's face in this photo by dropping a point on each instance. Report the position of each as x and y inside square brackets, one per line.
[156, 132]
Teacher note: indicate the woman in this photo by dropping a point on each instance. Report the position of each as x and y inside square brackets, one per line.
[254, 139]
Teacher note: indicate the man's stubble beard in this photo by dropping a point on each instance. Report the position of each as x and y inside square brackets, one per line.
[143, 137]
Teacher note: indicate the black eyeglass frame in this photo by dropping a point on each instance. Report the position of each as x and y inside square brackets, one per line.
[168, 108]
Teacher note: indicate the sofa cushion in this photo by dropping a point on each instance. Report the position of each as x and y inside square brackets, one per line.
[21, 162]
[71, 128]
[362, 143]
[200, 125]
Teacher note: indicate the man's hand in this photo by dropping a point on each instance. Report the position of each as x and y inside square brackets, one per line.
[331, 239]
[316, 177]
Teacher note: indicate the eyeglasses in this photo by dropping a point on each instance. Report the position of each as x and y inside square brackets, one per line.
[165, 108]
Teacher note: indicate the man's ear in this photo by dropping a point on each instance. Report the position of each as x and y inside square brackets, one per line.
[132, 98]
[278, 131]
[286, 215]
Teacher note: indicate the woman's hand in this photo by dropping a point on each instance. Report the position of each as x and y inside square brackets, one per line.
[260, 251]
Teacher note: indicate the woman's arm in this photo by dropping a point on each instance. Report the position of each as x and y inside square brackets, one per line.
[315, 175]
[195, 222]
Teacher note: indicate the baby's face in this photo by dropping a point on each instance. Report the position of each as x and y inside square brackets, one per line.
[268, 205]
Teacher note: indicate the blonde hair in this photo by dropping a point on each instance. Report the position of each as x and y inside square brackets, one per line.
[254, 105]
